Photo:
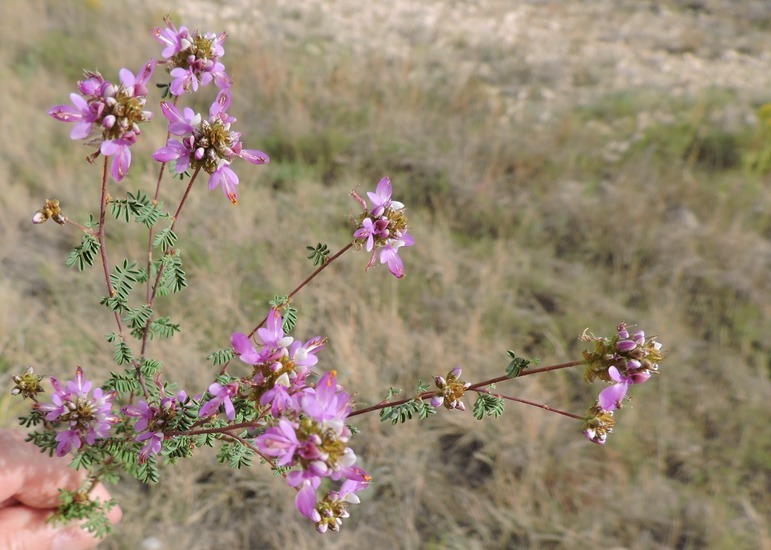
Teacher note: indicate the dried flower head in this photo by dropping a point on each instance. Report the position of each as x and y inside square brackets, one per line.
[50, 210]
[451, 389]
[598, 424]
[27, 385]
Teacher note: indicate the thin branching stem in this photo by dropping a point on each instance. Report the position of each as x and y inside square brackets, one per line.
[532, 404]
[321, 268]
[100, 235]
[477, 387]
[157, 281]
[150, 235]
[525, 372]
[83, 228]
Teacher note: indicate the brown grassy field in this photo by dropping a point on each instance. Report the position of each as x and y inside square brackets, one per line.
[565, 165]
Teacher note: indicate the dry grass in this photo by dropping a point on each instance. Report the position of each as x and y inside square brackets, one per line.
[550, 189]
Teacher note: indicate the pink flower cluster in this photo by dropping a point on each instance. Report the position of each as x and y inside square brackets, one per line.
[309, 434]
[207, 144]
[192, 59]
[383, 227]
[626, 360]
[109, 113]
[152, 419]
[634, 359]
[89, 417]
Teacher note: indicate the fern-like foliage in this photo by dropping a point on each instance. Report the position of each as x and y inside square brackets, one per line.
[123, 353]
[83, 254]
[163, 328]
[319, 254]
[235, 455]
[173, 277]
[288, 313]
[488, 405]
[515, 365]
[399, 414]
[222, 356]
[165, 239]
[132, 205]
[123, 383]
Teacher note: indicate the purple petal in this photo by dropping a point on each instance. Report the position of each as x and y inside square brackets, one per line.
[254, 156]
[610, 398]
[305, 501]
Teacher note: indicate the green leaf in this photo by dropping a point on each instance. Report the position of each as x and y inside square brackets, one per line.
[148, 214]
[150, 367]
[123, 353]
[516, 365]
[163, 328]
[173, 278]
[138, 318]
[319, 254]
[123, 383]
[131, 205]
[91, 514]
[235, 455]
[165, 239]
[400, 414]
[220, 357]
[148, 471]
[489, 405]
[83, 254]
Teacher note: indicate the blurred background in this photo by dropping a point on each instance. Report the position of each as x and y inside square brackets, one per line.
[565, 164]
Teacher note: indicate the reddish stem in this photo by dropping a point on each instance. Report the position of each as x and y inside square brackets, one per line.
[476, 387]
[321, 268]
[160, 272]
[532, 403]
[100, 235]
[525, 372]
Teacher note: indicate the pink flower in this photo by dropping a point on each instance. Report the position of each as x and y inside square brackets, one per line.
[280, 442]
[192, 58]
[207, 144]
[272, 334]
[389, 254]
[115, 112]
[383, 228]
[326, 401]
[381, 198]
[220, 397]
[88, 415]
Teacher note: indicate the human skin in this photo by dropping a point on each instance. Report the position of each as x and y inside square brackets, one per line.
[29, 484]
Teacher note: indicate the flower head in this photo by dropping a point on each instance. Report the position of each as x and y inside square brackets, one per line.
[633, 356]
[221, 396]
[153, 419]
[451, 389]
[109, 114]
[27, 385]
[88, 414]
[207, 144]
[383, 227]
[598, 424]
[192, 58]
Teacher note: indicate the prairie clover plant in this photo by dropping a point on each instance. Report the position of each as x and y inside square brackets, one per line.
[269, 395]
